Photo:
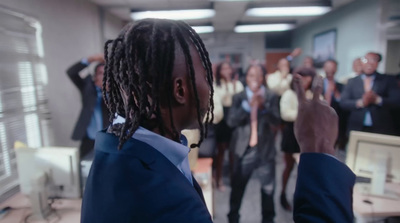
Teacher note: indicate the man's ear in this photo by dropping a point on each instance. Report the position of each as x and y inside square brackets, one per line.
[180, 90]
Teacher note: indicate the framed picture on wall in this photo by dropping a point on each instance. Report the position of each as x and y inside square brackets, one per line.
[324, 47]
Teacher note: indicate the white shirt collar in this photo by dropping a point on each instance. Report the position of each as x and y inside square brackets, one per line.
[250, 94]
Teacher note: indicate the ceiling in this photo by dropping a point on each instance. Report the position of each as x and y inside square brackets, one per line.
[228, 12]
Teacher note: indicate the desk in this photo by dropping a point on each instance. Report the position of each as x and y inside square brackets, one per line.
[69, 210]
[382, 207]
[203, 175]
[296, 157]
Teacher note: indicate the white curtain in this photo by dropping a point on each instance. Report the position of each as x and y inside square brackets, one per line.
[24, 114]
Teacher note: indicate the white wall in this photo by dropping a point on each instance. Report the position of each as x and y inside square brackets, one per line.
[112, 26]
[71, 30]
[393, 57]
[251, 46]
[357, 26]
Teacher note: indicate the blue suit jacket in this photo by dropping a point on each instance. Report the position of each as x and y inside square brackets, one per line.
[138, 184]
[323, 191]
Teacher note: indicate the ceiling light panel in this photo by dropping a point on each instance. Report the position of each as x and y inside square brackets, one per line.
[263, 28]
[288, 11]
[175, 14]
[232, 0]
[203, 29]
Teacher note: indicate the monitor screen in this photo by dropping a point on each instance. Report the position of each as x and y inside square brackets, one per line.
[60, 164]
[365, 150]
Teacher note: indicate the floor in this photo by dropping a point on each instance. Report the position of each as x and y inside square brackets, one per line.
[251, 206]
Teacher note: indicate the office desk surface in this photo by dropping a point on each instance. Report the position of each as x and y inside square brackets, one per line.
[380, 207]
[203, 175]
[68, 210]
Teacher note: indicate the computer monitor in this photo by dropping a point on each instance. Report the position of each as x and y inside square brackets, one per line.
[375, 157]
[51, 172]
[60, 164]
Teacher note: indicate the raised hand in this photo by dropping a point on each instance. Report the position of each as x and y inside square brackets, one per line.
[258, 99]
[316, 127]
[296, 52]
[97, 57]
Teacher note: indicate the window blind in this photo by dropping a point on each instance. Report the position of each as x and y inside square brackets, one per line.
[24, 114]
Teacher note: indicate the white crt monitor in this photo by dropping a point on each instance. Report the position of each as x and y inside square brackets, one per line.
[59, 164]
[366, 149]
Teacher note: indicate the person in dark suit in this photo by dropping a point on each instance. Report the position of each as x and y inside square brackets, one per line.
[370, 98]
[141, 172]
[332, 94]
[159, 82]
[253, 113]
[396, 112]
[94, 114]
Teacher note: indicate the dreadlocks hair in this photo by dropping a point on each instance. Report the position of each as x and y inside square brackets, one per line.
[138, 75]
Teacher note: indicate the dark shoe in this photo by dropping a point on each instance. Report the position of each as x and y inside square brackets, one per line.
[233, 218]
[268, 220]
[284, 203]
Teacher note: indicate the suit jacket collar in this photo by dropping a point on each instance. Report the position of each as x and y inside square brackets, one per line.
[249, 93]
[150, 157]
[337, 84]
[243, 94]
[377, 79]
[108, 143]
[174, 151]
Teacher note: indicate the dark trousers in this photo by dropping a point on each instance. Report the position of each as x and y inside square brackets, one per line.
[86, 147]
[246, 165]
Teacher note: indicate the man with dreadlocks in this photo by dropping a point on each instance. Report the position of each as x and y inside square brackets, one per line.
[158, 81]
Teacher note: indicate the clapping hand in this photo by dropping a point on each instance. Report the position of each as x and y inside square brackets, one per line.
[257, 100]
[369, 98]
[296, 52]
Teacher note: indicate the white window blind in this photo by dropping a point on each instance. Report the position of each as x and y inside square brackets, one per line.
[24, 114]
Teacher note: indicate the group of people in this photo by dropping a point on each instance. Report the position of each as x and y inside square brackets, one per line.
[267, 104]
[156, 80]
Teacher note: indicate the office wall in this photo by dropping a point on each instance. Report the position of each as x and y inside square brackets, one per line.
[71, 30]
[112, 26]
[357, 26]
[251, 46]
[393, 57]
